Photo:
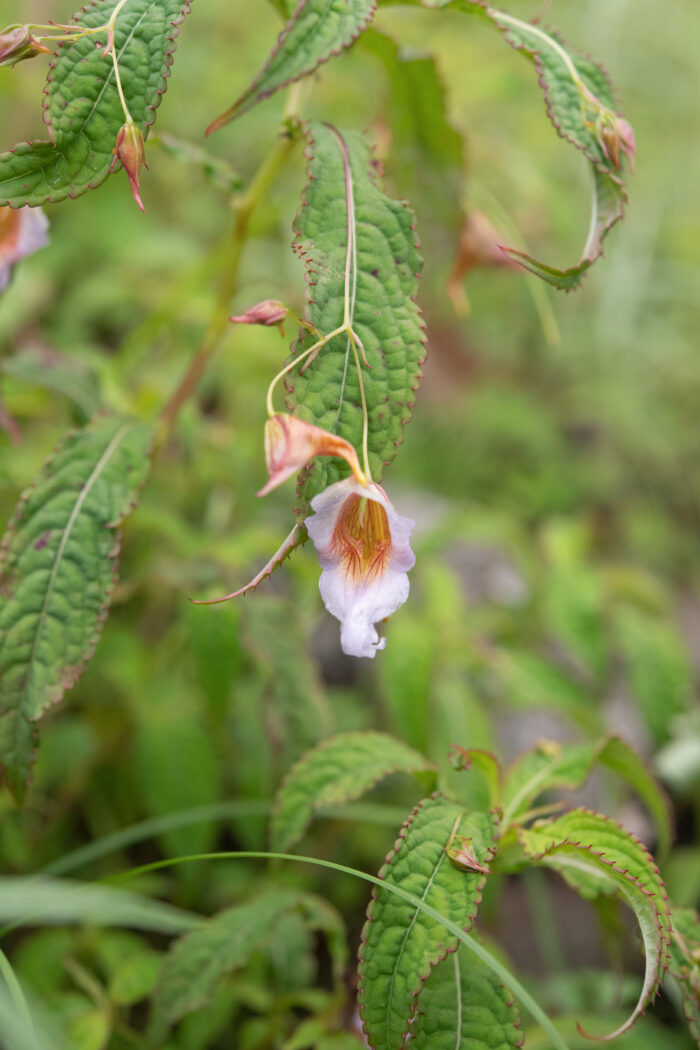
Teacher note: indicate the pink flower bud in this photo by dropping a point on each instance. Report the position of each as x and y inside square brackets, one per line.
[130, 150]
[18, 44]
[268, 312]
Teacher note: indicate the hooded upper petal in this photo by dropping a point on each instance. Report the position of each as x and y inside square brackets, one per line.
[290, 444]
[22, 231]
[363, 547]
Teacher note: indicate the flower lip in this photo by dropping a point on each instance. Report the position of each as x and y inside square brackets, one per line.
[363, 548]
[290, 444]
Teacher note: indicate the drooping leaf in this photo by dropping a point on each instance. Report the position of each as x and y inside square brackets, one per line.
[57, 571]
[224, 943]
[38, 900]
[463, 1006]
[82, 107]
[362, 263]
[399, 946]
[338, 770]
[552, 765]
[317, 31]
[581, 106]
[685, 964]
[586, 845]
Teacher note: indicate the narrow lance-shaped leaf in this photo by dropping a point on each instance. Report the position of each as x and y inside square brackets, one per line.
[463, 1006]
[57, 571]
[317, 31]
[588, 845]
[338, 770]
[362, 262]
[582, 108]
[399, 945]
[82, 107]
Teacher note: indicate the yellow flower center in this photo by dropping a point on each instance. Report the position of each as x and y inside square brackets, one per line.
[362, 538]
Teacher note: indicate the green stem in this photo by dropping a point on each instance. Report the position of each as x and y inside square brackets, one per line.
[218, 324]
[502, 972]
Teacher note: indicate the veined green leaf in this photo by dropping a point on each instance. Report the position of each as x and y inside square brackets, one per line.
[362, 263]
[552, 765]
[586, 844]
[463, 1006]
[224, 943]
[57, 572]
[82, 107]
[581, 106]
[338, 770]
[317, 31]
[399, 946]
[685, 964]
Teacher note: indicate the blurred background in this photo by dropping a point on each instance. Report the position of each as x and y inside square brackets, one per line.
[551, 468]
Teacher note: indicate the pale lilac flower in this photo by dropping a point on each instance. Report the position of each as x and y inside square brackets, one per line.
[22, 231]
[363, 548]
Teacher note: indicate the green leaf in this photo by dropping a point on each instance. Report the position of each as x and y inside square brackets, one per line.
[684, 966]
[360, 251]
[581, 106]
[463, 1006]
[224, 943]
[82, 107]
[338, 770]
[57, 573]
[399, 945]
[552, 765]
[317, 31]
[38, 900]
[587, 844]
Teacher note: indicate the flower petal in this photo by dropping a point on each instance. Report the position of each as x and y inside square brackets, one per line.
[364, 581]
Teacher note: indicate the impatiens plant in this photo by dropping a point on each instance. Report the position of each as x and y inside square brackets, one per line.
[336, 412]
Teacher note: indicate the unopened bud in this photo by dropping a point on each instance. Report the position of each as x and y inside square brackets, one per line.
[268, 312]
[18, 44]
[130, 150]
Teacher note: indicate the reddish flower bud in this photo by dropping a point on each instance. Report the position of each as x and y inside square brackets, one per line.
[130, 150]
[18, 44]
[268, 312]
[290, 444]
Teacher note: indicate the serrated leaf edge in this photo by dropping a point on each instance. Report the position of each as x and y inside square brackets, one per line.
[375, 175]
[50, 198]
[663, 913]
[386, 867]
[71, 674]
[321, 746]
[251, 97]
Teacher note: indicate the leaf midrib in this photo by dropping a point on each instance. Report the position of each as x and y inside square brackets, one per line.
[409, 928]
[82, 496]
